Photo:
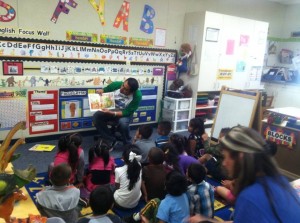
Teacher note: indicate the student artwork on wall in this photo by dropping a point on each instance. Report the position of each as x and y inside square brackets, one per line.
[99, 9]
[147, 23]
[43, 111]
[122, 16]
[10, 12]
[61, 7]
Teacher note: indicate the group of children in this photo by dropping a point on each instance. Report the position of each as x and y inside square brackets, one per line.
[168, 173]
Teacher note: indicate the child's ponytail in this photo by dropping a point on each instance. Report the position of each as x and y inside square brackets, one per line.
[132, 158]
[101, 149]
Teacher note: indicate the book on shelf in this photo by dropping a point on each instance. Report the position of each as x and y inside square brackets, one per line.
[98, 102]
[42, 148]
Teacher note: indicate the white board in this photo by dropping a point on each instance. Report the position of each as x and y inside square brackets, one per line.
[234, 109]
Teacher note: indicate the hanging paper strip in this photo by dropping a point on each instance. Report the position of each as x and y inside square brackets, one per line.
[147, 23]
[81, 36]
[10, 15]
[123, 16]
[99, 9]
[110, 39]
[61, 7]
[140, 42]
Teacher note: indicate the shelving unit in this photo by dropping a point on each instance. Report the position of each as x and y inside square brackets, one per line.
[178, 112]
[206, 106]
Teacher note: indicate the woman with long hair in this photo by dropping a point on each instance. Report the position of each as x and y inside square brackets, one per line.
[262, 193]
[128, 178]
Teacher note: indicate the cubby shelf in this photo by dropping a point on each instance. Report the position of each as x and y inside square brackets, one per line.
[178, 112]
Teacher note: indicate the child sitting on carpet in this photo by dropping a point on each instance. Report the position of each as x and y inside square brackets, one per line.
[185, 160]
[201, 193]
[71, 152]
[101, 200]
[154, 176]
[101, 169]
[128, 178]
[143, 141]
[195, 139]
[60, 199]
[174, 208]
[212, 159]
[163, 130]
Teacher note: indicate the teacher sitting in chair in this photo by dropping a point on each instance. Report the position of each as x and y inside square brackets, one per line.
[127, 99]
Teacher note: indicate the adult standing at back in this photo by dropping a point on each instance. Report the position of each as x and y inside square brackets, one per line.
[127, 99]
[263, 194]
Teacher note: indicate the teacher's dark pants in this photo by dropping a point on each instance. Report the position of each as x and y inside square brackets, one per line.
[101, 119]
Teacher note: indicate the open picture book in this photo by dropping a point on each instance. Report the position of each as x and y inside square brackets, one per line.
[98, 102]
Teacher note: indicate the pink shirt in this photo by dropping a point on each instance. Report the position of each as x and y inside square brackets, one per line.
[98, 164]
[63, 157]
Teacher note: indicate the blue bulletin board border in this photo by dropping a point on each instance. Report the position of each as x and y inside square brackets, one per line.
[74, 112]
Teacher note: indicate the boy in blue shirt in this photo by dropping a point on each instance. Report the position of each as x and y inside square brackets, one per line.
[201, 193]
[163, 130]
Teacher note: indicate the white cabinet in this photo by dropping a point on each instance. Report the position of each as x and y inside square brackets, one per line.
[178, 112]
[230, 50]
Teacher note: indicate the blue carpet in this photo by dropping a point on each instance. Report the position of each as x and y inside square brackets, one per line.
[223, 211]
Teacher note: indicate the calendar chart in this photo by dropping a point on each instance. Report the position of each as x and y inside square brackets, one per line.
[12, 108]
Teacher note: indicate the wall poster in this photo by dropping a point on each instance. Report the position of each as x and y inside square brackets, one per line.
[12, 106]
[43, 111]
[46, 50]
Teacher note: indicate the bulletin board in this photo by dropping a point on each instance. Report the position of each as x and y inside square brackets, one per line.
[235, 108]
[74, 110]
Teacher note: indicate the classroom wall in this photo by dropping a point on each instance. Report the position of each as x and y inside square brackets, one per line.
[36, 15]
[286, 95]
[271, 12]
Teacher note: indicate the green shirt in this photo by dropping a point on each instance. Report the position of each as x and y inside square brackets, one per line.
[136, 98]
[213, 150]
